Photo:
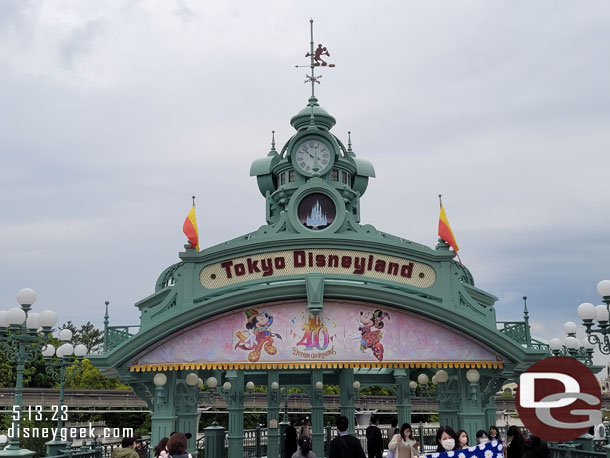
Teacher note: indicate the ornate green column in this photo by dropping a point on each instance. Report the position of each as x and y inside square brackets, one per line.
[235, 403]
[403, 395]
[185, 399]
[317, 412]
[163, 417]
[273, 413]
[347, 396]
[449, 396]
[214, 441]
[471, 415]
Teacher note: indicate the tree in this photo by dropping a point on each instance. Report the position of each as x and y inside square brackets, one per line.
[89, 377]
[87, 334]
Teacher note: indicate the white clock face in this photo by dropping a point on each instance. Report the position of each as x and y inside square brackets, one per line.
[312, 156]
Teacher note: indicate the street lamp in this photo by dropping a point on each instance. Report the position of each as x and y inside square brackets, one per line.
[66, 354]
[20, 341]
[588, 312]
[571, 346]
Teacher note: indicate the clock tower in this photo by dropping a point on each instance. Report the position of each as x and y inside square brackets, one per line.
[314, 183]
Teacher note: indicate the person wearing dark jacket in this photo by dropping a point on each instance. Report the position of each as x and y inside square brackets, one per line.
[515, 440]
[290, 443]
[374, 439]
[345, 445]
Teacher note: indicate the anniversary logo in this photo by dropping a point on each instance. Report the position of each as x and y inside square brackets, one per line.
[299, 262]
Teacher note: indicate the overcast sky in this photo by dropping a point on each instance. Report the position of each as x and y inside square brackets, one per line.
[114, 113]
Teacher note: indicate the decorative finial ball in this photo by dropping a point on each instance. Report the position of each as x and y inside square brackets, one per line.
[15, 316]
[275, 386]
[572, 343]
[160, 379]
[587, 345]
[356, 385]
[555, 344]
[211, 382]
[26, 296]
[227, 386]
[570, 327]
[603, 288]
[319, 385]
[65, 335]
[48, 351]
[80, 350]
[191, 379]
[412, 384]
[200, 383]
[67, 349]
[601, 313]
[47, 318]
[442, 376]
[250, 386]
[586, 311]
[473, 376]
[31, 322]
[3, 439]
[434, 381]
[423, 379]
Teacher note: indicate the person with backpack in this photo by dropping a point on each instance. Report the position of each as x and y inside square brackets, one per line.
[345, 445]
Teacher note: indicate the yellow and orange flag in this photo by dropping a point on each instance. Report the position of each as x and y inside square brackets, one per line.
[444, 229]
[190, 227]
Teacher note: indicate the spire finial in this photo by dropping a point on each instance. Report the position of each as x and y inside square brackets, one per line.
[440, 199]
[525, 312]
[106, 316]
[349, 141]
[193, 201]
[273, 140]
[316, 60]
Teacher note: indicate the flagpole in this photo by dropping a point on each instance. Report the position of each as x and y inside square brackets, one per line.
[193, 201]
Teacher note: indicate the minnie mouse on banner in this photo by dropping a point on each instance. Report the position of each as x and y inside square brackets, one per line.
[489, 450]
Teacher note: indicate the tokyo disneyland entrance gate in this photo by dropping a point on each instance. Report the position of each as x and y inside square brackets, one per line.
[315, 298]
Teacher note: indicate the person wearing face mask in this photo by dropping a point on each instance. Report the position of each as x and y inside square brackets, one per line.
[482, 437]
[494, 435]
[403, 445]
[463, 439]
[446, 439]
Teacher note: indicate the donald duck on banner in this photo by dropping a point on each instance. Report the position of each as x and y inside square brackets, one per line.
[489, 450]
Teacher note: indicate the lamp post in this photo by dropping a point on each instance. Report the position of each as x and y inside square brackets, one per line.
[21, 342]
[66, 354]
[587, 312]
[571, 346]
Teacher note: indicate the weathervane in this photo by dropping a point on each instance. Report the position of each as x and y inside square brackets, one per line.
[316, 60]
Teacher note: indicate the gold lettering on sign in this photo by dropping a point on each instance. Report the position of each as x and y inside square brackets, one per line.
[332, 262]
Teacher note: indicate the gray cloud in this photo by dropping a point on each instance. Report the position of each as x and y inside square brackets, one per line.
[501, 107]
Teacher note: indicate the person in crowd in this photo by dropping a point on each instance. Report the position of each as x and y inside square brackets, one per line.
[494, 434]
[374, 439]
[446, 439]
[515, 440]
[345, 445]
[160, 450]
[534, 447]
[176, 446]
[393, 429]
[127, 449]
[403, 444]
[304, 450]
[482, 437]
[305, 429]
[290, 442]
[463, 439]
